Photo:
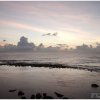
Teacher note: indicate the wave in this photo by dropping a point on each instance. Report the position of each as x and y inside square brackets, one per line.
[32, 63]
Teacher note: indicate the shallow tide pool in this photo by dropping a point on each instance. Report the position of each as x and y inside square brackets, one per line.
[72, 83]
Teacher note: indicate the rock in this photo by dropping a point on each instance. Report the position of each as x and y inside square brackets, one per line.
[38, 96]
[45, 96]
[13, 90]
[20, 93]
[94, 85]
[59, 95]
[23, 98]
[65, 98]
[32, 96]
[49, 97]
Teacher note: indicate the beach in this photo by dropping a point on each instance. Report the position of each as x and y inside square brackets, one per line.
[49, 50]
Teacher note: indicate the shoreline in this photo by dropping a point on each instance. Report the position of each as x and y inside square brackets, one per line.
[22, 63]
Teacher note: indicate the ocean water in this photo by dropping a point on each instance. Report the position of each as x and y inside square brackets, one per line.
[85, 60]
[72, 83]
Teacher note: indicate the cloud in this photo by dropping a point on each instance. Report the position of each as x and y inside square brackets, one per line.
[55, 34]
[2, 44]
[23, 43]
[50, 34]
[62, 44]
[22, 26]
[46, 34]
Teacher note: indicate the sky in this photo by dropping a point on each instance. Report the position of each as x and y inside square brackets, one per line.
[76, 22]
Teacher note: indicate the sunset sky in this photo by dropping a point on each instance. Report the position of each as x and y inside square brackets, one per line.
[75, 22]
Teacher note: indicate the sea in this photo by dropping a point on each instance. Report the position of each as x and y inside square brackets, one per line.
[70, 82]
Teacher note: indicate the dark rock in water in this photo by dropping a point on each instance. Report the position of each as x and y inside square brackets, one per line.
[94, 85]
[49, 97]
[45, 96]
[59, 95]
[38, 96]
[65, 98]
[20, 93]
[23, 98]
[13, 90]
[32, 96]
